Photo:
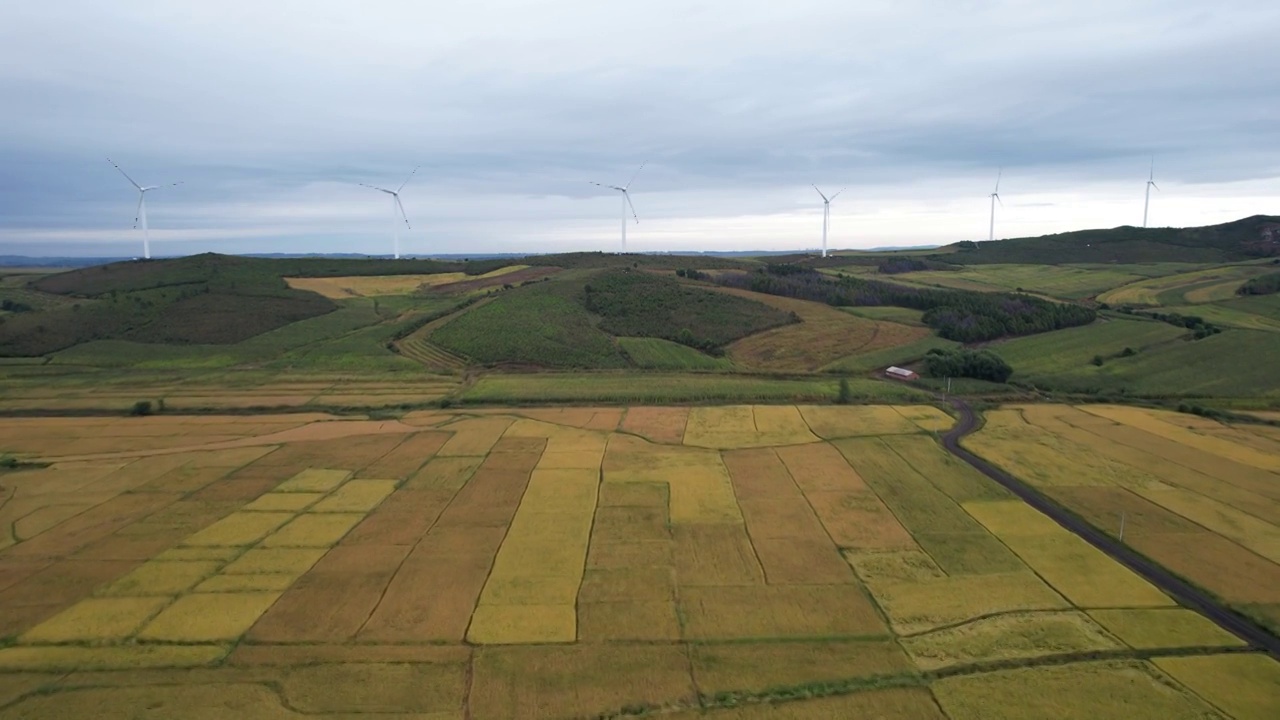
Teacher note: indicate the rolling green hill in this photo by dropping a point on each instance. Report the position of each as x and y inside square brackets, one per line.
[1251, 237]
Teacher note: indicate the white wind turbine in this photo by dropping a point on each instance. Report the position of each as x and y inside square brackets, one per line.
[826, 216]
[1151, 183]
[141, 214]
[995, 196]
[626, 202]
[397, 211]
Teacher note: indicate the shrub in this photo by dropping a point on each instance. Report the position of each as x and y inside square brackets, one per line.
[844, 396]
[1097, 360]
[140, 408]
[1128, 352]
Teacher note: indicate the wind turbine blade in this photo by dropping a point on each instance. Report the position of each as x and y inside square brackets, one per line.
[633, 177]
[999, 173]
[997, 196]
[406, 180]
[824, 197]
[375, 187]
[627, 195]
[402, 212]
[125, 174]
[137, 214]
[1154, 185]
[833, 197]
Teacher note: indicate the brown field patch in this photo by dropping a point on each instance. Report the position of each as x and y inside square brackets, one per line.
[92, 525]
[402, 519]
[497, 278]
[334, 599]
[253, 655]
[1013, 636]
[639, 620]
[743, 426]
[782, 611]
[629, 554]
[759, 475]
[320, 530]
[623, 584]
[715, 555]
[405, 459]
[831, 422]
[801, 561]
[1213, 562]
[759, 667]
[630, 524]
[340, 288]
[659, 425]
[577, 680]
[209, 617]
[823, 335]
[431, 598]
[446, 473]
[96, 619]
[648, 495]
[820, 467]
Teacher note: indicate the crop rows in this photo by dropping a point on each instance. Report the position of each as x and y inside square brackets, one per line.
[833, 561]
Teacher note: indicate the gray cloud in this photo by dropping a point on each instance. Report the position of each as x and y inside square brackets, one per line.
[270, 112]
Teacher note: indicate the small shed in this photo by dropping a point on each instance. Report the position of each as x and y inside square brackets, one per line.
[898, 373]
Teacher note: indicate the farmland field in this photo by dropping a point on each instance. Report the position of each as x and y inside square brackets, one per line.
[1197, 496]
[1063, 281]
[1197, 286]
[748, 561]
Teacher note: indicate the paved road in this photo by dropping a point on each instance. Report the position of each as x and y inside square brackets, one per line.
[1177, 588]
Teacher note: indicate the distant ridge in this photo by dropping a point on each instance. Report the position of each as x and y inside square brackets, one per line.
[1253, 237]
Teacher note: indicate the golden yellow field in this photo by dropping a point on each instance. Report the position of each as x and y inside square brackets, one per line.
[1196, 495]
[738, 561]
[338, 288]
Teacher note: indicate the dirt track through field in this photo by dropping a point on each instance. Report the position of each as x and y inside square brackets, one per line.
[1179, 589]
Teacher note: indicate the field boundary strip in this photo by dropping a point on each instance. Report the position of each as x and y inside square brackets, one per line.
[1180, 590]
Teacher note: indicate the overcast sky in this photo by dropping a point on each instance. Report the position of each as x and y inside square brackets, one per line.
[271, 112]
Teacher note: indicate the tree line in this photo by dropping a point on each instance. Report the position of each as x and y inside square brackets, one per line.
[961, 315]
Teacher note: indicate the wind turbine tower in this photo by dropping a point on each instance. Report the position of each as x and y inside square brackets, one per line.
[1151, 183]
[995, 197]
[626, 202]
[397, 211]
[826, 215]
[141, 215]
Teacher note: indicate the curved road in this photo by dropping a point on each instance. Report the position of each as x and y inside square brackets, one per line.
[1177, 588]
